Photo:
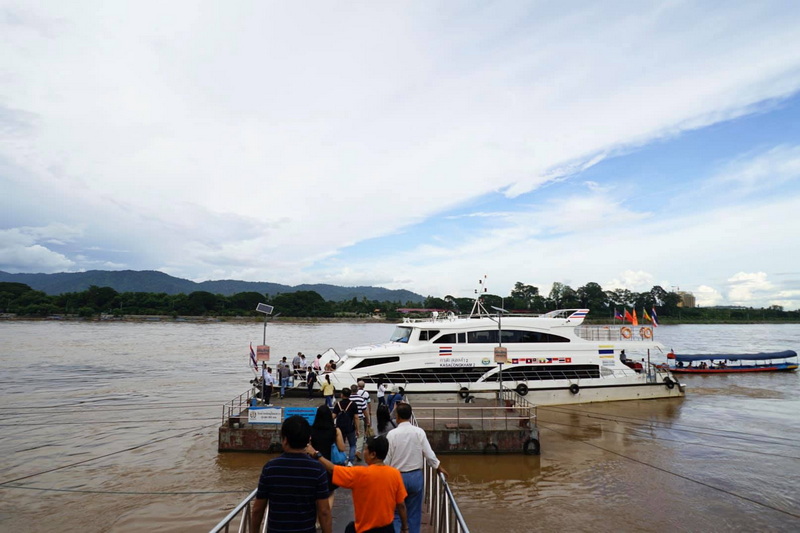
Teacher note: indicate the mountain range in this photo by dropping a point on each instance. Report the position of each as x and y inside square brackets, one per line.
[154, 281]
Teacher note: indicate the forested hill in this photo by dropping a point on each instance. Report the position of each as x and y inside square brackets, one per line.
[158, 282]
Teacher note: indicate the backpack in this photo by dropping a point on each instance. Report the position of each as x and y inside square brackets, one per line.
[344, 420]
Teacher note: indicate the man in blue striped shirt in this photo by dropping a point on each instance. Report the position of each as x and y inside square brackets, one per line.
[294, 484]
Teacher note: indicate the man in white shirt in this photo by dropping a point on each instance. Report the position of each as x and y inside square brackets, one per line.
[408, 450]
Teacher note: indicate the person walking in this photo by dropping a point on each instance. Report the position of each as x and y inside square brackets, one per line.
[378, 489]
[285, 374]
[384, 420]
[346, 412]
[327, 391]
[325, 435]
[267, 383]
[381, 392]
[311, 379]
[294, 485]
[408, 450]
[361, 398]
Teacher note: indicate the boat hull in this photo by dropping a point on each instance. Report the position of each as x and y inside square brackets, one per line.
[786, 367]
[565, 395]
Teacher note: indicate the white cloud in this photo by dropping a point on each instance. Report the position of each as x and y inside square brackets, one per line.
[744, 287]
[20, 250]
[762, 171]
[259, 140]
[633, 280]
[706, 296]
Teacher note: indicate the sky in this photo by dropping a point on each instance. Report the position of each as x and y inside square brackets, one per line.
[416, 145]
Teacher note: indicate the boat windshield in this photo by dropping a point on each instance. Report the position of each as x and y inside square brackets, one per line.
[400, 334]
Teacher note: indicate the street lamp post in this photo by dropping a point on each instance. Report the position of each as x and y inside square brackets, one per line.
[267, 310]
[500, 355]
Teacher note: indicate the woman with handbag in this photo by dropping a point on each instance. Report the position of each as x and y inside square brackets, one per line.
[327, 438]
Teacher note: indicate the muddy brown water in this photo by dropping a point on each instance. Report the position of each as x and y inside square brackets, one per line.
[113, 427]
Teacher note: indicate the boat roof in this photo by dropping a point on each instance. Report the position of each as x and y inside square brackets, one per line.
[559, 317]
[736, 356]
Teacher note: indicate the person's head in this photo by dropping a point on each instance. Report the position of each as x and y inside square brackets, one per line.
[295, 432]
[302, 356]
[401, 391]
[346, 392]
[377, 449]
[263, 365]
[327, 378]
[323, 419]
[361, 384]
[284, 359]
[319, 356]
[353, 387]
[403, 411]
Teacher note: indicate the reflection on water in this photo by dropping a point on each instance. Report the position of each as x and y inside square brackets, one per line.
[115, 426]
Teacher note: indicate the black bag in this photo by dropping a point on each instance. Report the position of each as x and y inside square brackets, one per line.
[344, 419]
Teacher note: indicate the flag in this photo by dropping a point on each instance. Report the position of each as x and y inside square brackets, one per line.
[253, 357]
[645, 316]
[628, 317]
[635, 320]
[654, 319]
[617, 316]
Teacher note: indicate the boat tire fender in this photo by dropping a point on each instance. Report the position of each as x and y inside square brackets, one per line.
[531, 447]
[646, 332]
[574, 388]
[625, 332]
[464, 392]
[469, 399]
[522, 389]
[669, 383]
[491, 448]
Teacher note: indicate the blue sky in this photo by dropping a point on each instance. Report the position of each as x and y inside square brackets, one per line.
[415, 145]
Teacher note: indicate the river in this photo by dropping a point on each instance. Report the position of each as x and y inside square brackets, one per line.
[113, 427]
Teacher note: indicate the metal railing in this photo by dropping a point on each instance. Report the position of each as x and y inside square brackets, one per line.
[445, 516]
[242, 509]
[615, 334]
[514, 413]
[235, 407]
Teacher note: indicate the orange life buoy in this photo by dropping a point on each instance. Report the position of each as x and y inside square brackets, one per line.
[646, 332]
[625, 332]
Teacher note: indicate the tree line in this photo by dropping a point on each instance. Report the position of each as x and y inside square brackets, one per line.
[20, 300]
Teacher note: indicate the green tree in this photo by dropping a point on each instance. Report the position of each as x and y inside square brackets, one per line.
[593, 297]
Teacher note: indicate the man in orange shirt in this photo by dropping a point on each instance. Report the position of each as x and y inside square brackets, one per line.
[378, 489]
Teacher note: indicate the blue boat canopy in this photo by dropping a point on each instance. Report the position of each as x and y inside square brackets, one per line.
[736, 356]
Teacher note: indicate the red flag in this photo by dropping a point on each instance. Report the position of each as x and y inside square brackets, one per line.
[628, 317]
[253, 357]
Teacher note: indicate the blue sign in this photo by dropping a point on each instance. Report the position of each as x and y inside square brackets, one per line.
[309, 413]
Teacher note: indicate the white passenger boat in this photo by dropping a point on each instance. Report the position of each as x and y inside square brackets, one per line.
[552, 359]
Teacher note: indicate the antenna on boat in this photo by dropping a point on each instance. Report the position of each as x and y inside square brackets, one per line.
[477, 307]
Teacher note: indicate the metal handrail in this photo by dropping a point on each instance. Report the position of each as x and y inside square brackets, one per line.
[445, 515]
[237, 404]
[244, 508]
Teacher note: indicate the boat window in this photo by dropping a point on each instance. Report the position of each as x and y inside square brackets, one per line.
[488, 336]
[462, 337]
[511, 336]
[400, 334]
[449, 338]
[372, 361]
[428, 334]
